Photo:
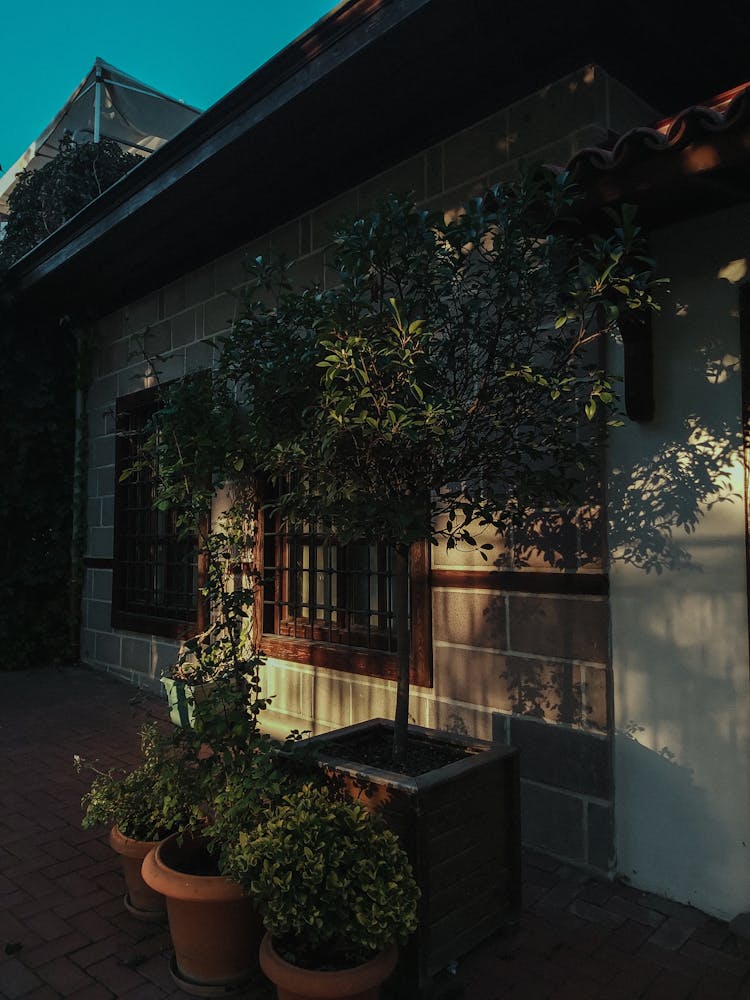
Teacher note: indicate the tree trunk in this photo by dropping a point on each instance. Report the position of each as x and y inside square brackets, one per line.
[401, 613]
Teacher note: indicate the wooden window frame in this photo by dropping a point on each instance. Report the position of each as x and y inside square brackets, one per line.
[348, 658]
[123, 614]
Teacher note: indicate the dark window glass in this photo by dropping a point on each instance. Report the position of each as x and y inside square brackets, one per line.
[155, 584]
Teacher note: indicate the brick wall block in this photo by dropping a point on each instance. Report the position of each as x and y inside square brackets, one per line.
[100, 541]
[113, 356]
[463, 720]
[157, 338]
[477, 150]
[136, 654]
[101, 584]
[199, 285]
[407, 177]
[552, 821]
[199, 356]
[103, 392]
[600, 820]
[98, 616]
[142, 313]
[327, 698]
[219, 313]
[105, 482]
[93, 512]
[626, 109]
[565, 628]
[469, 618]
[434, 182]
[173, 297]
[229, 270]
[163, 655]
[184, 328]
[540, 689]
[286, 239]
[103, 451]
[326, 218]
[283, 685]
[564, 758]
[473, 676]
[557, 110]
[107, 648]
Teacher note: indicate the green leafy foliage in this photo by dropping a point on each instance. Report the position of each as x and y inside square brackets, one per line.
[44, 199]
[332, 883]
[441, 384]
[37, 400]
[145, 804]
[449, 383]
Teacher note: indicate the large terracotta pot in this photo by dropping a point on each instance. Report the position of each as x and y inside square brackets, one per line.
[215, 931]
[140, 900]
[294, 983]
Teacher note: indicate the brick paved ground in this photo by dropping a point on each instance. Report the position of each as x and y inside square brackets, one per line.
[64, 932]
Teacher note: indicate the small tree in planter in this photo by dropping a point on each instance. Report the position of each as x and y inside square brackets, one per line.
[449, 382]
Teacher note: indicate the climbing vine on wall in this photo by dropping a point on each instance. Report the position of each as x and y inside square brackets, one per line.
[40, 531]
[37, 401]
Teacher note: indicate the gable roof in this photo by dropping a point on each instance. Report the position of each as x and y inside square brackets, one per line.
[698, 159]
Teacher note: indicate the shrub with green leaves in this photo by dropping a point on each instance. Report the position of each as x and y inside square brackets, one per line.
[44, 199]
[146, 803]
[333, 884]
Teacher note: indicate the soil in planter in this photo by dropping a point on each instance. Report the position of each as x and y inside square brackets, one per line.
[376, 750]
[194, 860]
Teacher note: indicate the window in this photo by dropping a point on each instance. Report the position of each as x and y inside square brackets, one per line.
[155, 579]
[332, 605]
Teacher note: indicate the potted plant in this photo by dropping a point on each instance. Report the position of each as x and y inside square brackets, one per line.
[214, 927]
[336, 894]
[233, 778]
[132, 804]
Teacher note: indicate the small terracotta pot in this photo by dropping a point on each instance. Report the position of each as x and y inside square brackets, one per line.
[215, 930]
[293, 983]
[141, 901]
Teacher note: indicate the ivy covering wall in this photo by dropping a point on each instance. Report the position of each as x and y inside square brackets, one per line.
[37, 409]
[39, 375]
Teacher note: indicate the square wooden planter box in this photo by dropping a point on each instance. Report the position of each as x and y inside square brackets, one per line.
[460, 826]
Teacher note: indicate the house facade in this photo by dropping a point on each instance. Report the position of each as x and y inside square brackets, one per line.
[623, 676]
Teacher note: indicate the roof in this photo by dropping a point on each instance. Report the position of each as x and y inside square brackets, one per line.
[372, 83]
[698, 159]
[130, 112]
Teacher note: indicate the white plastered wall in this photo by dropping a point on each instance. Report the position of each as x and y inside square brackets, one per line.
[680, 630]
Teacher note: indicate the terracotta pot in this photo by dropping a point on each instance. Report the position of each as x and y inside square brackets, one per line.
[293, 983]
[215, 931]
[140, 900]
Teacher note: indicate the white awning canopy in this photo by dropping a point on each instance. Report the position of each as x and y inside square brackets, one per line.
[107, 104]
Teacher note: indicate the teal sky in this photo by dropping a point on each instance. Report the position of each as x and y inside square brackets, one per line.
[192, 51]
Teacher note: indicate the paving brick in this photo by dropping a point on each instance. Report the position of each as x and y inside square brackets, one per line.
[46, 952]
[671, 986]
[48, 925]
[116, 976]
[15, 979]
[672, 934]
[94, 992]
[732, 964]
[64, 976]
[579, 937]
